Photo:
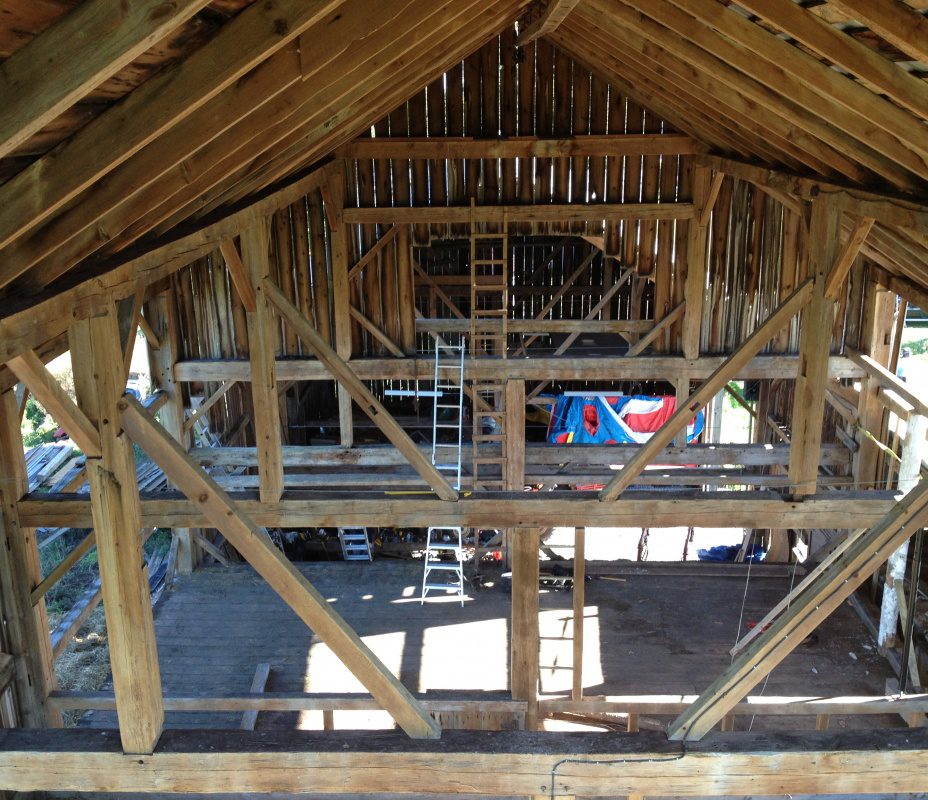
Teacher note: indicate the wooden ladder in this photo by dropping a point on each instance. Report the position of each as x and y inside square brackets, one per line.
[489, 311]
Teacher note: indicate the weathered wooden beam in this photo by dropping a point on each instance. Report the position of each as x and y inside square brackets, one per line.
[579, 597]
[255, 545]
[697, 244]
[635, 327]
[493, 763]
[56, 69]
[355, 389]
[44, 386]
[656, 330]
[536, 454]
[437, 148]
[815, 334]
[887, 380]
[593, 368]
[713, 384]
[551, 16]
[114, 501]
[263, 338]
[825, 593]
[549, 212]
[658, 509]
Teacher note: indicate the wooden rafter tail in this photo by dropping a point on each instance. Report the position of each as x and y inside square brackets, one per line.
[825, 591]
[346, 378]
[256, 547]
[713, 384]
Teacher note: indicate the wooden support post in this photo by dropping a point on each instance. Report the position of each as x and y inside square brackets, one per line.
[821, 595]
[263, 336]
[697, 240]
[114, 499]
[24, 633]
[579, 605]
[334, 198]
[914, 451]
[161, 313]
[814, 347]
[406, 290]
[713, 384]
[514, 404]
[256, 547]
[524, 658]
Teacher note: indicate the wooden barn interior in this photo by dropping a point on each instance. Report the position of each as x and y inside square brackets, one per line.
[371, 247]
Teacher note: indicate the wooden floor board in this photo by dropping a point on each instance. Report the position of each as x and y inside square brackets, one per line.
[645, 634]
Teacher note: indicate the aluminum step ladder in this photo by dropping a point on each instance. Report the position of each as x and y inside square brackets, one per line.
[355, 544]
[448, 408]
[442, 542]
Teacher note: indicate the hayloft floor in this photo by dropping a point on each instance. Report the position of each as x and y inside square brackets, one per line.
[645, 634]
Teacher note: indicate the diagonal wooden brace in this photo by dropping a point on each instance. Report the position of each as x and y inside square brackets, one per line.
[256, 546]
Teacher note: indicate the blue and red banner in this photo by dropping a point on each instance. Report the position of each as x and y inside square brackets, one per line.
[618, 419]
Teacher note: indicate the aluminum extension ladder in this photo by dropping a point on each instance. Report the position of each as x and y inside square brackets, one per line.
[441, 542]
[355, 544]
[448, 408]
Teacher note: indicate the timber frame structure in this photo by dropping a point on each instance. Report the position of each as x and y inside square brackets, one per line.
[286, 197]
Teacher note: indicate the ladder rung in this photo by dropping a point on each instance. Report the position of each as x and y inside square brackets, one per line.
[448, 587]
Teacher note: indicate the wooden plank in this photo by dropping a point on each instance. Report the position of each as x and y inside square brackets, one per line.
[256, 547]
[657, 509]
[263, 336]
[524, 659]
[406, 290]
[515, 435]
[114, 502]
[374, 331]
[262, 673]
[29, 368]
[554, 13]
[207, 404]
[899, 25]
[464, 147]
[713, 384]
[577, 367]
[551, 212]
[25, 633]
[865, 118]
[159, 103]
[632, 327]
[877, 72]
[815, 334]
[355, 389]
[845, 259]
[579, 598]
[56, 69]
[825, 593]
[239, 274]
[712, 194]
[505, 763]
